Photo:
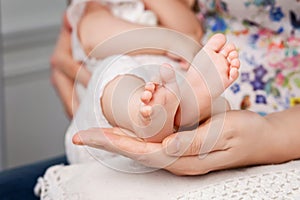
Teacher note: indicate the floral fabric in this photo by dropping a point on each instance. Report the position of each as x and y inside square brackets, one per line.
[267, 34]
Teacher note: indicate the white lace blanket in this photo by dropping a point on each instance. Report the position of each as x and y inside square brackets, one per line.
[94, 181]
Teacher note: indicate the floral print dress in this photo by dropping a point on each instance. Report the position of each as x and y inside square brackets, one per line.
[267, 35]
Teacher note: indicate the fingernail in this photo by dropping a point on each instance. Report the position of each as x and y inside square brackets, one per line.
[173, 146]
[76, 140]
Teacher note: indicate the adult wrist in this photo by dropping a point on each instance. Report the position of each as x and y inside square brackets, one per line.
[279, 141]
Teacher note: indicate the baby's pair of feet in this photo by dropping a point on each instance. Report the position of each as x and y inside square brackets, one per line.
[167, 97]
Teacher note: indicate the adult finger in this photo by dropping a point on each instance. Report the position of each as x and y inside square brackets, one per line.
[217, 160]
[208, 137]
[65, 87]
[149, 154]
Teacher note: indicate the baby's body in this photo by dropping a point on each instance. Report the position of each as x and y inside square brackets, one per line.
[152, 111]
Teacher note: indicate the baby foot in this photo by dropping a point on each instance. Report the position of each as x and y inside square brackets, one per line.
[159, 105]
[213, 69]
[224, 58]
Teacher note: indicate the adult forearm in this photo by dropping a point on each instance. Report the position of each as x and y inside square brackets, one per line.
[286, 126]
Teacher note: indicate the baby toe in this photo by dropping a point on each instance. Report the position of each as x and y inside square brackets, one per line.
[150, 86]
[233, 55]
[228, 48]
[146, 111]
[146, 96]
[184, 65]
[235, 63]
[234, 73]
[216, 42]
[167, 73]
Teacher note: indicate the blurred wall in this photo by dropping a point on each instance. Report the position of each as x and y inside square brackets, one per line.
[34, 118]
[1, 105]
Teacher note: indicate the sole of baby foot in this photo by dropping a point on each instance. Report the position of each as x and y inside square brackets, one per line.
[159, 105]
[224, 57]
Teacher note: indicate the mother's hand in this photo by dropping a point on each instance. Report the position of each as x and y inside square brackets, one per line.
[64, 70]
[228, 140]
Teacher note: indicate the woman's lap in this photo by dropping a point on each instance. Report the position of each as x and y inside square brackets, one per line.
[18, 183]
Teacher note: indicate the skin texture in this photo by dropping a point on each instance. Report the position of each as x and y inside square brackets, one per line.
[246, 139]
